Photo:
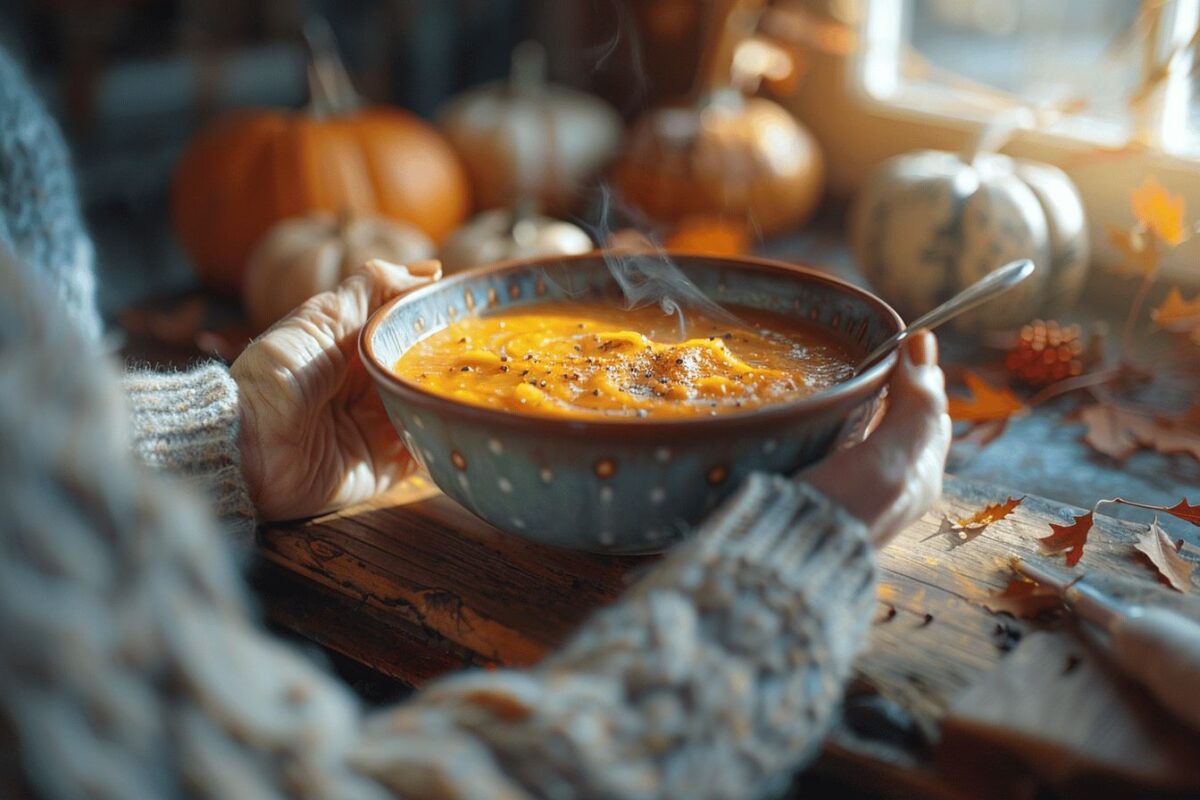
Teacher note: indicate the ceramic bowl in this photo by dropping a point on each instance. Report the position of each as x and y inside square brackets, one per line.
[619, 485]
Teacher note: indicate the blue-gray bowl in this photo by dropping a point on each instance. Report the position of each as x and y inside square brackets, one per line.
[619, 485]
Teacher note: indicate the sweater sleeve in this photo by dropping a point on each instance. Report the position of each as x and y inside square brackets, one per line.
[716, 676]
[187, 424]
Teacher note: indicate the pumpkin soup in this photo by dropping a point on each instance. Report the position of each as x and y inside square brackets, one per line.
[587, 360]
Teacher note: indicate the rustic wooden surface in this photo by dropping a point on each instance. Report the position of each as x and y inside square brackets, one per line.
[414, 585]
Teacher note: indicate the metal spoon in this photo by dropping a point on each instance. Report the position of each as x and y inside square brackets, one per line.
[987, 287]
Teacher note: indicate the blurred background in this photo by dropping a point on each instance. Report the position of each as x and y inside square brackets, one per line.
[1067, 81]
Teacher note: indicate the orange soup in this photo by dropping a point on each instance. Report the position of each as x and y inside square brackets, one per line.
[588, 360]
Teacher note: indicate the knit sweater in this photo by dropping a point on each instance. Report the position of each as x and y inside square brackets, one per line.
[40, 221]
[131, 664]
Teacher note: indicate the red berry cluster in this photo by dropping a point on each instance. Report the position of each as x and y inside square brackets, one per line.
[1046, 352]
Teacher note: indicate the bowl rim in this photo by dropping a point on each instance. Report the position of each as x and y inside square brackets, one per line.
[864, 383]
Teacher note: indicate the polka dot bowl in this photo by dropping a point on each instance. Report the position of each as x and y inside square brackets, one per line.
[622, 484]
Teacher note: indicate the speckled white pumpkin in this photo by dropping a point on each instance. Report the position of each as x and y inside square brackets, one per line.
[929, 223]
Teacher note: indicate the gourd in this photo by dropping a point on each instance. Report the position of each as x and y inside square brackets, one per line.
[247, 171]
[723, 154]
[529, 139]
[304, 256]
[929, 223]
[501, 234]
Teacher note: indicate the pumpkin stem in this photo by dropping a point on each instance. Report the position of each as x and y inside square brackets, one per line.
[344, 217]
[330, 91]
[991, 136]
[528, 71]
[523, 210]
[730, 21]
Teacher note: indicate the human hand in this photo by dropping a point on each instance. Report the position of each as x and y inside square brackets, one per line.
[314, 433]
[894, 476]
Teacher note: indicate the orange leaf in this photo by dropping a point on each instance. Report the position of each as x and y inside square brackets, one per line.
[987, 403]
[1139, 252]
[1179, 315]
[1069, 538]
[993, 513]
[1174, 568]
[1159, 211]
[1023, 598]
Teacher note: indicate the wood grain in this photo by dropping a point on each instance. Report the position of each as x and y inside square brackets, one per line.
[443, 589]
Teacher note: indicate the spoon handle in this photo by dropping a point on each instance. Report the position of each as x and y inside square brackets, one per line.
[987, 287]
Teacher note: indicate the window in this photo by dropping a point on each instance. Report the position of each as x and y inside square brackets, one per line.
[1105, 89]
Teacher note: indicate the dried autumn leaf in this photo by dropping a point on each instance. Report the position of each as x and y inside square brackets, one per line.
[1139, 252]
[992, 513]
[1069, 539]
[1179, 315]
[1112, 430]
[1023, 598]
[1159, 210]
[956, 535]
[1183, 510]
[1117, 432]
[986, 404]
[1174, 568]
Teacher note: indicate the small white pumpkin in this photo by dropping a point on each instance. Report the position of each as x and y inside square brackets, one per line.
[501, 234]
[300, 257]
[929, 223]
[529, 139]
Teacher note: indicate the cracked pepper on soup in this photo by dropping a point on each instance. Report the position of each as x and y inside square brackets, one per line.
[588, 360]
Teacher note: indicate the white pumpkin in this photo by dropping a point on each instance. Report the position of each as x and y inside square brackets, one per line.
[528, 139]
[929, 223]
[300, 257]
[501, 234]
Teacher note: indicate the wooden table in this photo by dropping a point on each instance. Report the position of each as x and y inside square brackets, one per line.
[415, 586]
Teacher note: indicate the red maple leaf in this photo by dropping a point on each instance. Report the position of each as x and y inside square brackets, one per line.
[1069, 538]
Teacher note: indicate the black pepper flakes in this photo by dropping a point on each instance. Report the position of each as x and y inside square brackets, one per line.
[466, 369]
[504, 367]
[927, 620]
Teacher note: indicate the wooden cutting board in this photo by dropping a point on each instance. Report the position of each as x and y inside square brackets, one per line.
[414, 586]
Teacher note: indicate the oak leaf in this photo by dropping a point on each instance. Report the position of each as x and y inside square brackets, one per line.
[986, 404]
[1139, 252]
[1179, 315]
[1069, 539]
[1183, 510]
[1023, 598]
[992, 513]
[1158, 548]
[1159, 211]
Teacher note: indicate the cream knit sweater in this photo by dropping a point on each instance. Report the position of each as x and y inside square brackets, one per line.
[132, 666]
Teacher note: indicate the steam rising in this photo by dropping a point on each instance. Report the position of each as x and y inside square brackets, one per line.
[648, 276]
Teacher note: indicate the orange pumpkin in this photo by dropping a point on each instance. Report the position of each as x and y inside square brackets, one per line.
[247, 171]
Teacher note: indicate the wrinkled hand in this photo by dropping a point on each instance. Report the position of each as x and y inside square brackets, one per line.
[894, 476]
[314, 433]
